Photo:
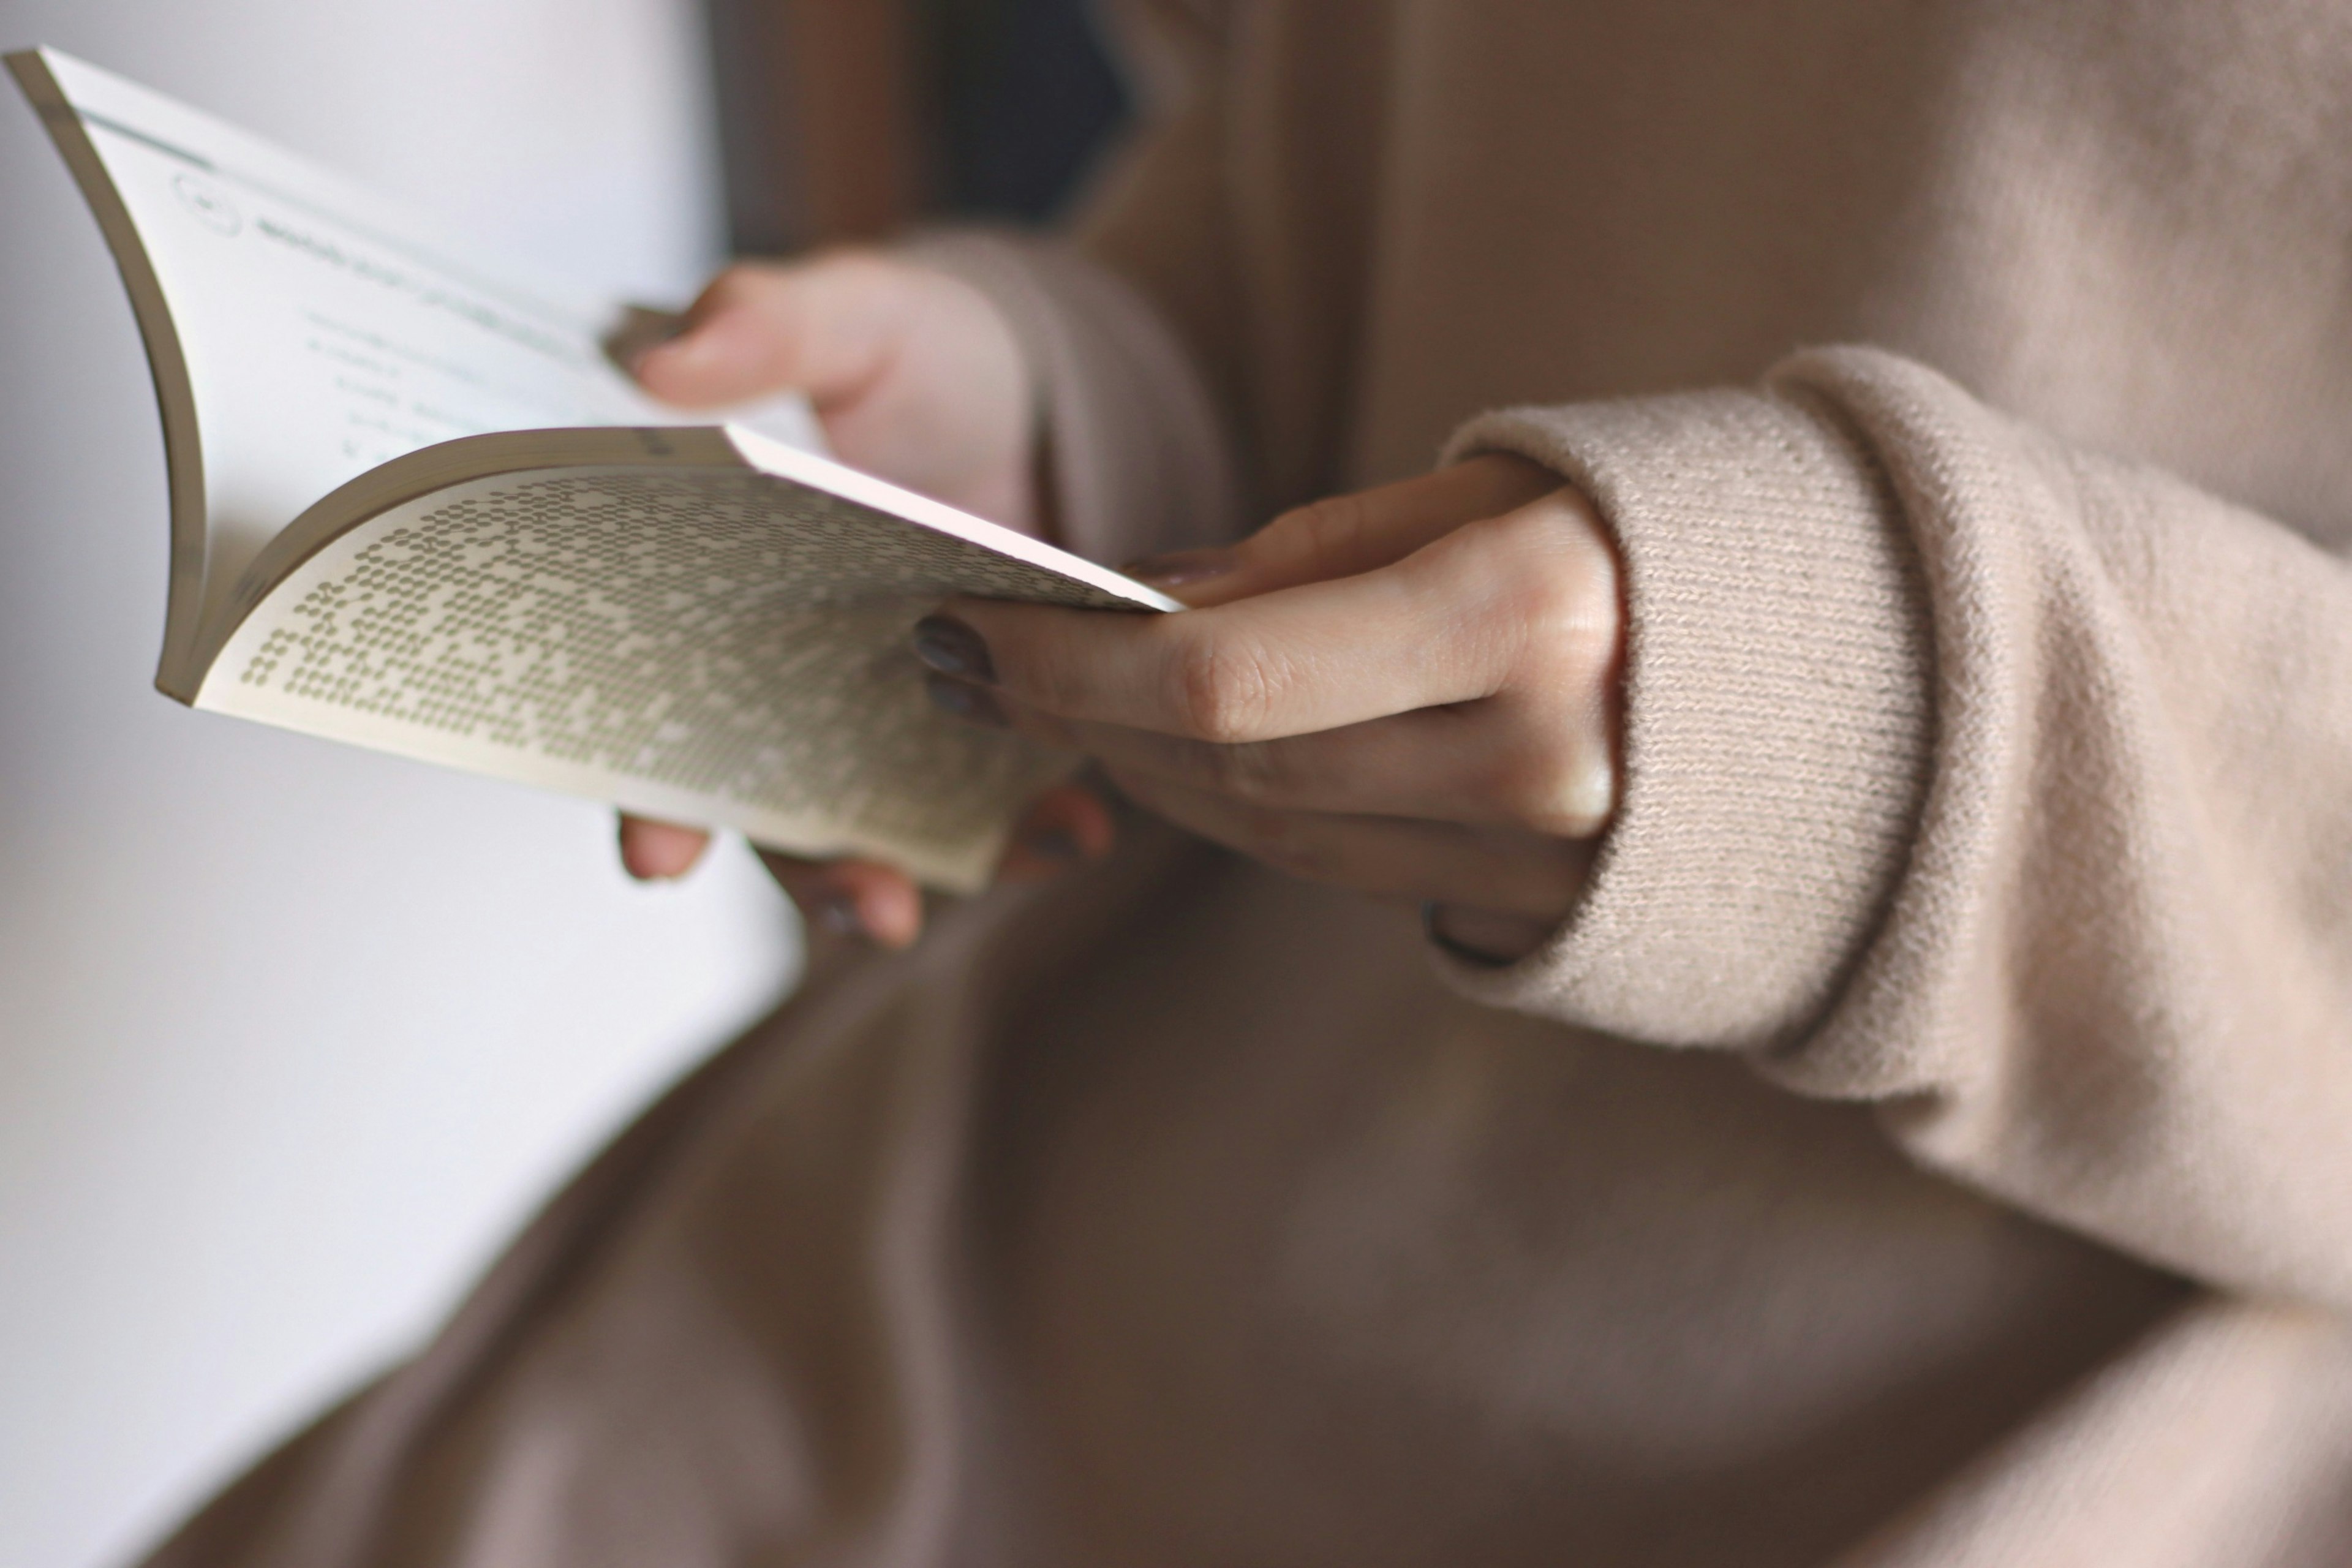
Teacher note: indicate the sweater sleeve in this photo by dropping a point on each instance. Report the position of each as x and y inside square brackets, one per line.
[2001, 785]
[1129, 323]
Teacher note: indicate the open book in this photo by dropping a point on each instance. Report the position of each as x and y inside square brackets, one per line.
[415, 506]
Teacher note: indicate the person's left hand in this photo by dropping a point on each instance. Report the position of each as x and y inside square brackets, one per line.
[1411, 692]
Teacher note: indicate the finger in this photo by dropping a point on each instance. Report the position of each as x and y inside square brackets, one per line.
[853, 898]
[658, 851]
[1450, 623]
[1291, 663]
[1509, 872]
[1488, 763]
[827, 328]
[1340, 536]
[1063, 829]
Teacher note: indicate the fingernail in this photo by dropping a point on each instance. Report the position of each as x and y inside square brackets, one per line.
[950, 646]
[969, 702]
[1179, 567]
[837, 912]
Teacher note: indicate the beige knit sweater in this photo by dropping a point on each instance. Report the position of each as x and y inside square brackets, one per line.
[1931, 1141]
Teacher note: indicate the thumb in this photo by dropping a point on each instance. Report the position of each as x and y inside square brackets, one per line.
[827, 328]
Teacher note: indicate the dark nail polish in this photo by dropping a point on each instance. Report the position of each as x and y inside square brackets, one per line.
[837, 912]
[968, 702]
[950, 646]
[1175, 570]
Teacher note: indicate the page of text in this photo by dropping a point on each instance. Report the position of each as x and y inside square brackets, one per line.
[326, 330]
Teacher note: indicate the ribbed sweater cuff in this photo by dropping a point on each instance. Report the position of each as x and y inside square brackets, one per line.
[1777, 703]
[1139, 459]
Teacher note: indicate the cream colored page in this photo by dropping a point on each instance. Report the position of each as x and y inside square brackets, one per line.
[326, 330]
[716, 646]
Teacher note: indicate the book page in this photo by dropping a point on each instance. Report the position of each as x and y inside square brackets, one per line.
[326, 330]
[715, 644]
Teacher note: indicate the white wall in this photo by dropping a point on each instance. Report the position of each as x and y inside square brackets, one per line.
[290, 1034]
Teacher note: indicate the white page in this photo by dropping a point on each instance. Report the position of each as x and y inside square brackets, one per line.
[326, 330]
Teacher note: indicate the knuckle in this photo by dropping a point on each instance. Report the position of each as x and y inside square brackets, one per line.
[1549, 583]
[742, 283]
[1221, 689]
[1330, 525]
[733, 280]
[856, 282]
[1553, 789]
[855, 266]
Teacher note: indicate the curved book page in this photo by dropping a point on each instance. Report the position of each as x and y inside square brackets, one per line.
[697, 625]
[302, 330]
[415, 506]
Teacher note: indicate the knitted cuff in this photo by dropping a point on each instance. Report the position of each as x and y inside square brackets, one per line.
[1777, 700]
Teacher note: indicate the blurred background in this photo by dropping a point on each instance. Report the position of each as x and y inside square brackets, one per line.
[292, 1036]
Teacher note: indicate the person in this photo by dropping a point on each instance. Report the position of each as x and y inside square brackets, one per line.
[1755, 968]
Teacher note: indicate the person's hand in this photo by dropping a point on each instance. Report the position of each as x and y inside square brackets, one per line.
[916, 377]
[1411, 692]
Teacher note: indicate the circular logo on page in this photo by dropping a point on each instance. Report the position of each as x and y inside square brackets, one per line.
[212, 207]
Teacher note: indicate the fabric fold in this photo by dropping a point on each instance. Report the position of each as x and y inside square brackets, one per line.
[1988, 780]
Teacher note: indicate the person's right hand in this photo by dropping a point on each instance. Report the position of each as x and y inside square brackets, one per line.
[916, 377]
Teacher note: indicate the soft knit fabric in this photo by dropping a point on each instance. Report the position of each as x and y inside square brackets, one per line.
[1930, 1139]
